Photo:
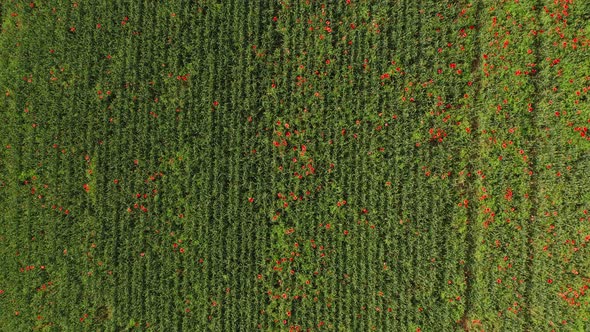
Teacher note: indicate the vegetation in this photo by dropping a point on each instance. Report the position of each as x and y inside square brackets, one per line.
[294, 165]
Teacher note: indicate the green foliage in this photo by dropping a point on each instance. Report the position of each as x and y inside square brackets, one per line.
[294, 165]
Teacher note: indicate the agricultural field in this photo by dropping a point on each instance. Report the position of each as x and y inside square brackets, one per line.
[295, 165]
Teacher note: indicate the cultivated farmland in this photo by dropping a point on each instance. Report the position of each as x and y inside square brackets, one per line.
[295, 165]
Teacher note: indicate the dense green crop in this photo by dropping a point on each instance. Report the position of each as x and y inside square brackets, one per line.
[295, 165]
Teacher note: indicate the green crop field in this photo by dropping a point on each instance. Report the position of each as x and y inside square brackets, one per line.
[294, 165]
